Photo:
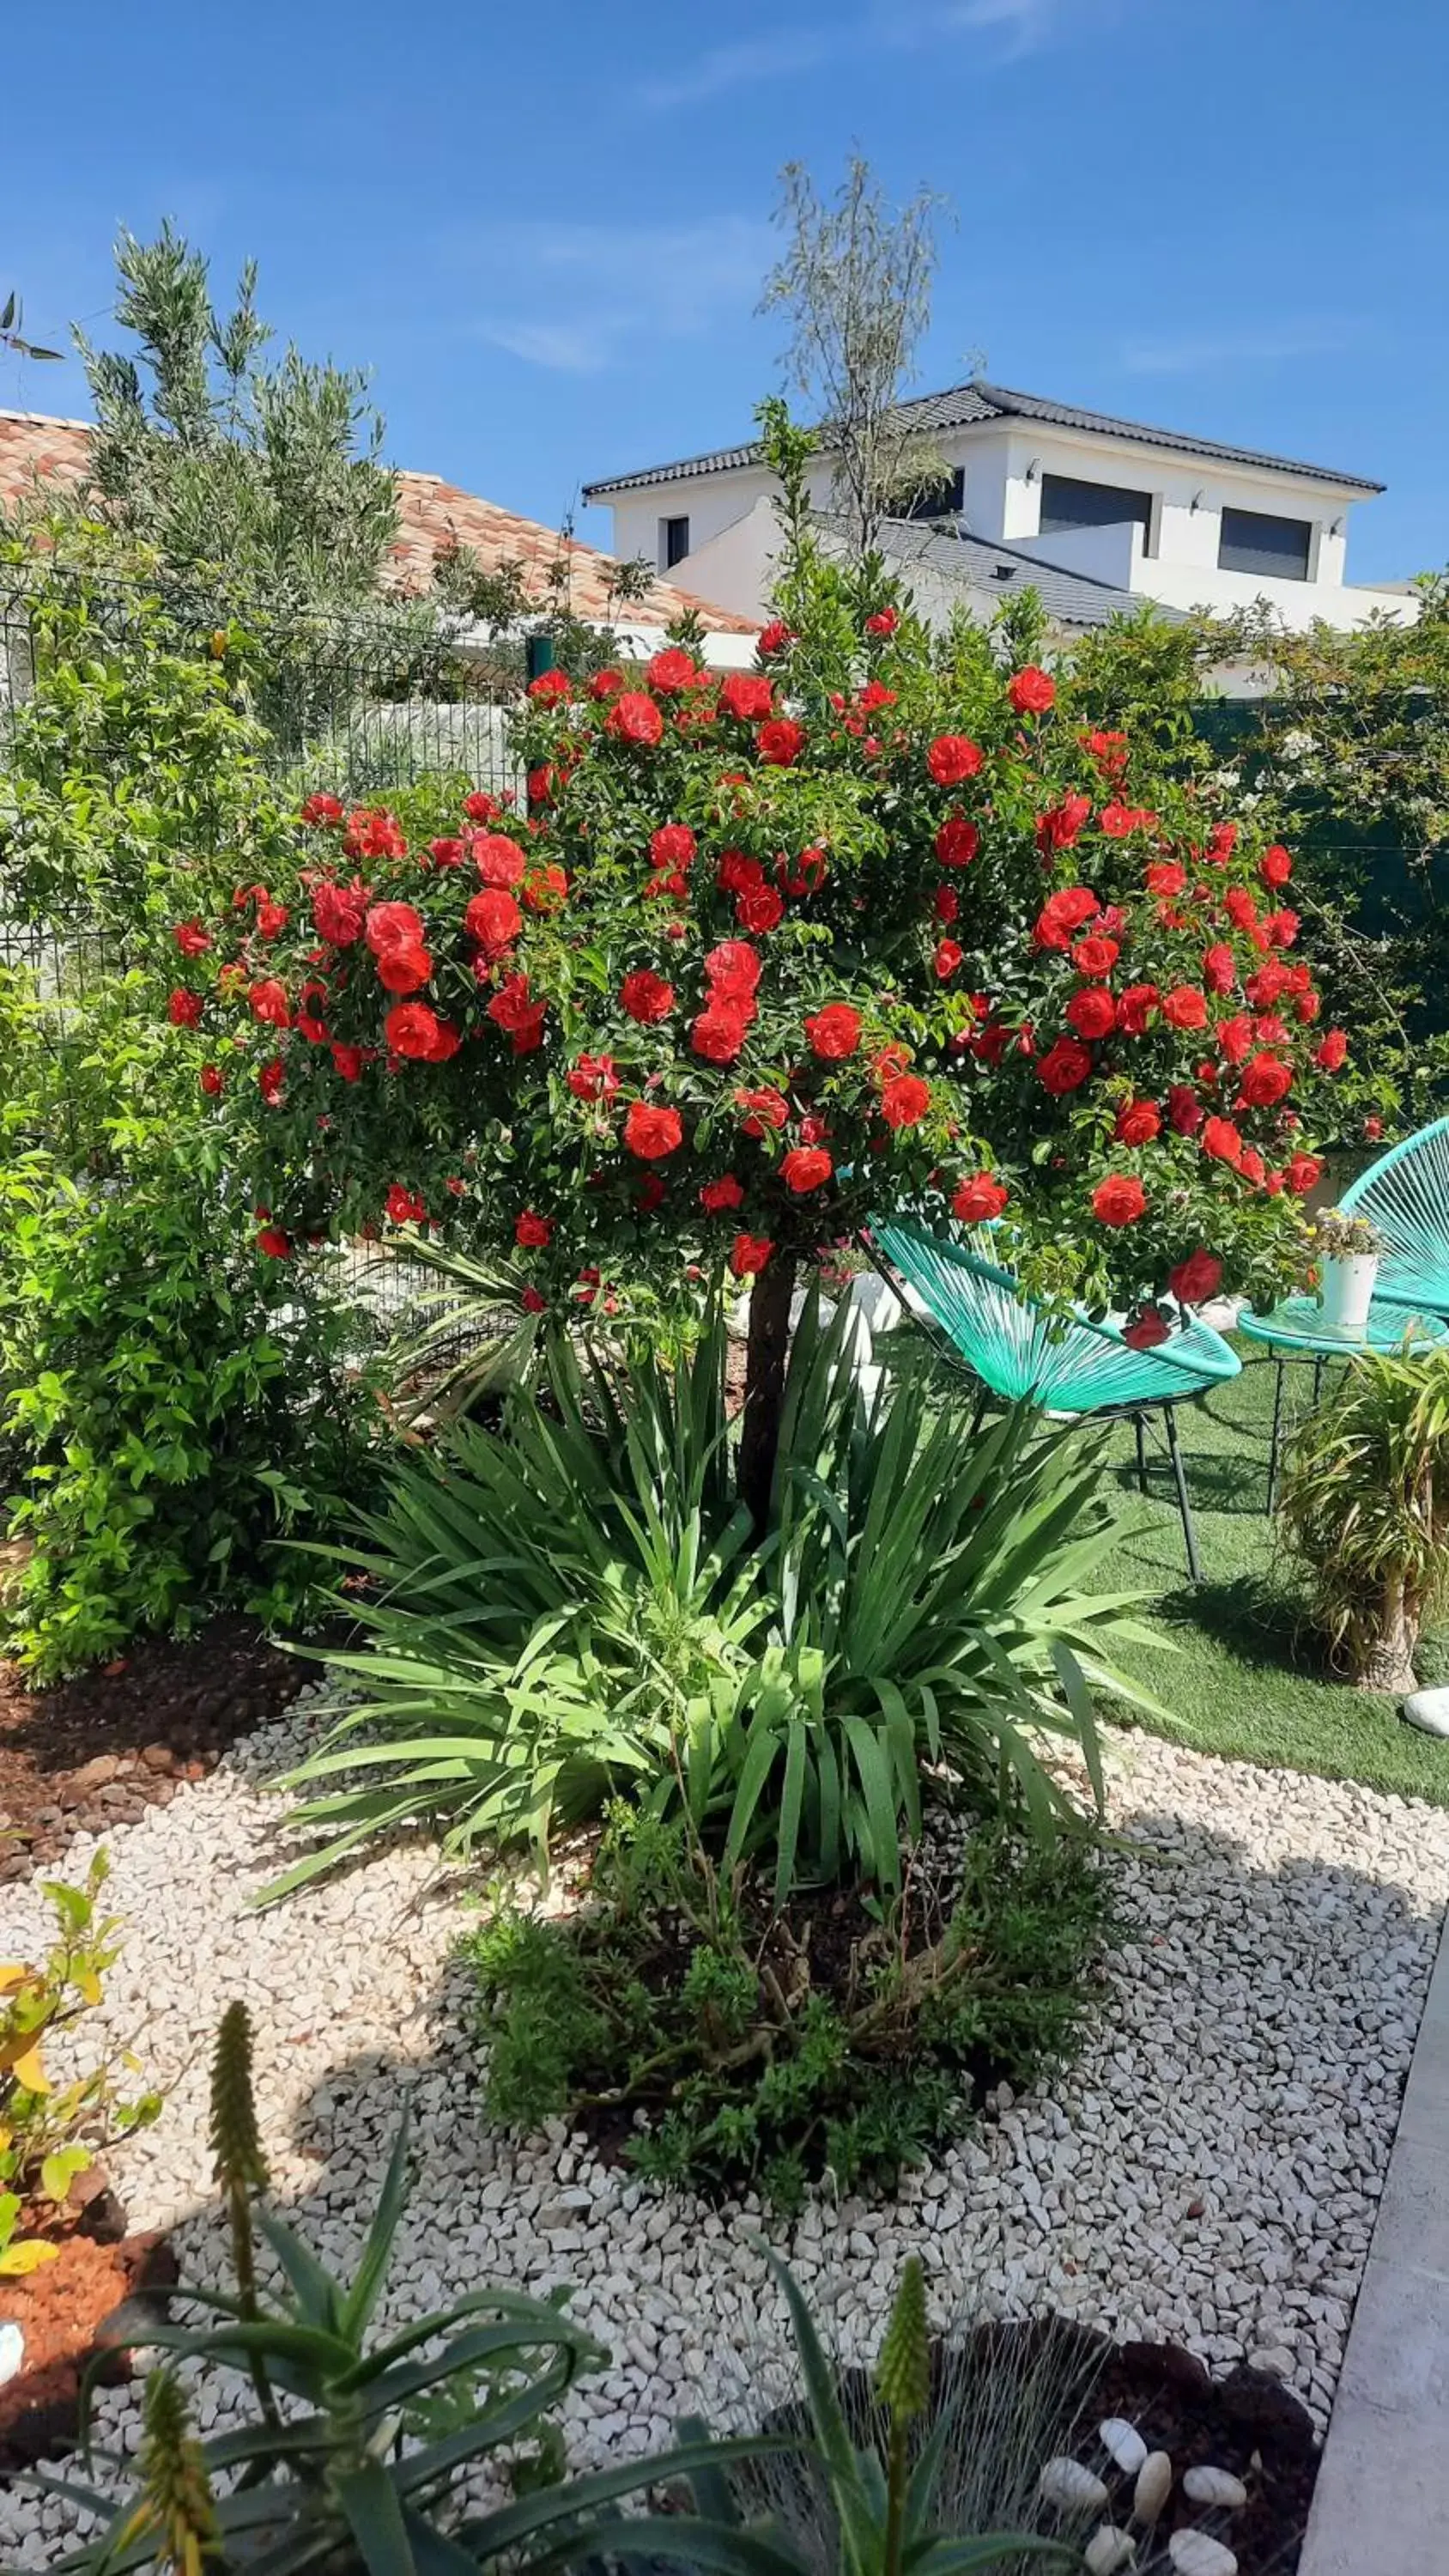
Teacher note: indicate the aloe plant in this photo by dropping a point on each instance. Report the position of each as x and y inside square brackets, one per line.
[1365, 1505]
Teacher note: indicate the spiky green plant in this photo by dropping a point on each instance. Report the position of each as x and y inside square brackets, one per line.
[1365, 1505]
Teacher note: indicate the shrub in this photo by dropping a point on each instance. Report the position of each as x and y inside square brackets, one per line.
[182, 1415]
[49, 2132]
[764, 2050]
[1365, 1505]
[575, 1607]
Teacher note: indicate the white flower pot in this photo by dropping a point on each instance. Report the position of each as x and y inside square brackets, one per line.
[1346, 1292]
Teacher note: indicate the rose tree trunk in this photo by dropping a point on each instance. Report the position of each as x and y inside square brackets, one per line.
[765, 1357]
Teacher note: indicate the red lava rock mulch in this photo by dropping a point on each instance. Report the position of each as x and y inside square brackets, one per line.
[98, 1750]
[92, 2296]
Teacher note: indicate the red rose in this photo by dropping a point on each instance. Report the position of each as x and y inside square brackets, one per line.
[774, 638]
[1222, 841]
[947, 958]
[750, 1254]
[541, 783]
[1330, 1052]
[1119, 1200]
[651, 1133]
[1065, 1066]
[1282, 928]
[672, 846]
[1133, 1005]
[518, 1011]
[759, 908]
[446, 853]
[274, 1243]
[184, 1008]
[805, 1167]
[1061, 826]
[1184, 1109]
[348, 1061]
[1148, 1327]
[593, 1078]
[1221, 1140]
[747, 695]
[1307, 1006]
[646, 997]
[373, 833]
[952, 757]
[1092, 1013]
[1275, 866]
[1031, 691]
[1095, 957]
[1241, 906]
[269, 1004]
[726, 1192]
[719, 1032]
[499, 861]
[191, 939]
[544, 889]
[1062, 915]
[763, 1109]
[882, 621]
[270, 1081]
[979, 1199]
[806, 875]
[393, 925]
[834, 1032]
[404, 1207]
[1197, 1278]
[339, 911]
[780, 742]
[493, 919]
[1373, 1128]
[320, 809]
[404, 970]
[946, 903]
[957, 842]
[532, 1302]
[532, 1232]
[1138, 1121]
[414, 1030]
[671, 671]
[550, 688]
[1219, 969]
[606, 684]
[732, 967]
[1252, 1167]
[1185, 1007]
[480, 807]
[1302, 1172]
[1266, 1078]
[1164, 877]
[212, 1080]
[905, 1100]
[635, 718]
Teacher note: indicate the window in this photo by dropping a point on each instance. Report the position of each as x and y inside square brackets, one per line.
[944, 498]
[1067, 504]
[673, 543]
[1252, 541]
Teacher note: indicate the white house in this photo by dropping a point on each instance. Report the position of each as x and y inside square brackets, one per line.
[1095, 512]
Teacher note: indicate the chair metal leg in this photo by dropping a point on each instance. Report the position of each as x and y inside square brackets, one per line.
[1140, 1427]
[1179, 1475]
[1277, 1431]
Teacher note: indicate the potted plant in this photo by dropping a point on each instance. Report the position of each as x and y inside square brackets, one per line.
[1365, 1507]
[1348, 1250]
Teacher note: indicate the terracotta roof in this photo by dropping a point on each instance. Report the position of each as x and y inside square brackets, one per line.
[965, 406]
[434, 514]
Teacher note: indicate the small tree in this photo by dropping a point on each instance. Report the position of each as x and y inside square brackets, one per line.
[267, 477]
[854, 280]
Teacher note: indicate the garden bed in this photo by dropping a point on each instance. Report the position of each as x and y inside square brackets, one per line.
[96, 1751]
[1207, 2174]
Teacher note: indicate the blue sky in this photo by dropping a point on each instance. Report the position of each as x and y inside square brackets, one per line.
[543, 228]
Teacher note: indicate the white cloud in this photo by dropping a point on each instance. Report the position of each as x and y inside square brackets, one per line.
[890, 27]
[1275, 345]
[582, 295]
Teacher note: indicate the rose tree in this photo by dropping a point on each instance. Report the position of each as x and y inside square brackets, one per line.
[765, 954]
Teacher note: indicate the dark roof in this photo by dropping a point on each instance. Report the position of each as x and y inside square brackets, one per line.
[962, 406]
[1069, 598]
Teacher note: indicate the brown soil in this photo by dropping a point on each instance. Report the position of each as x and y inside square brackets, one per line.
[98, 1750]
[92, 2297]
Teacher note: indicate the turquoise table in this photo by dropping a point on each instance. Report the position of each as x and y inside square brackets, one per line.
[1295, 1330]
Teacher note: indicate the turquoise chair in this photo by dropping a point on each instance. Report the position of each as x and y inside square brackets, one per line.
[1405, 1195]
[1017, 1348]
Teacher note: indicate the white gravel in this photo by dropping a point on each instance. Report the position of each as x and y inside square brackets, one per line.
[1208, 2172]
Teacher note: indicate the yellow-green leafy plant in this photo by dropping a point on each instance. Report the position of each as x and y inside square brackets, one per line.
[49, 2131]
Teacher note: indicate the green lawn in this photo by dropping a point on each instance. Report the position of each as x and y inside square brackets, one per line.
[1248, 1678]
